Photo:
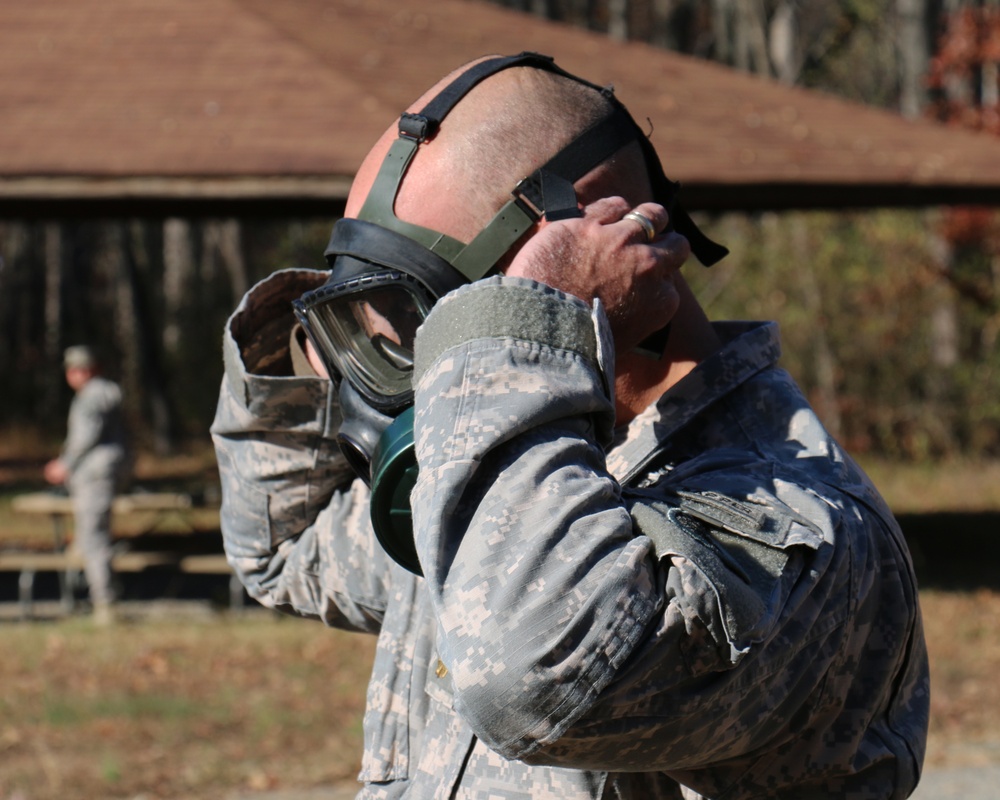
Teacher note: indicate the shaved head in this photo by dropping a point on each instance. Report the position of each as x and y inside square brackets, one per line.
[502, 130]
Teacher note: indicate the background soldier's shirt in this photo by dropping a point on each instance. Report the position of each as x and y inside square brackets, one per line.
[96, 443]
[712, 601]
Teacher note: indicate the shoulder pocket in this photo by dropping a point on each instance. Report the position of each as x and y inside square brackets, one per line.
[742, 550]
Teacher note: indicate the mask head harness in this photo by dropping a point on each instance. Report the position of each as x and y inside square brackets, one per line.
[387, 274]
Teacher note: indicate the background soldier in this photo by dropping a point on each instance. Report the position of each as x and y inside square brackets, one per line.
[93, 465]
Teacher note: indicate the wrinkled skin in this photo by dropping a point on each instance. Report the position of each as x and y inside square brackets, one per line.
[601, 255]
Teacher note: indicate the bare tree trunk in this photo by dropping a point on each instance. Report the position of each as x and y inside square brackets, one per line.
[944, 321]
[824, 360]
[722, 29]
[661, 12]
[991, 328]
[178, 267]
[914, 46]
[53, 315]
[989, 88]
[14, 242]
[222, 242]
[750, 42]
[112, 260]
[618, 19]
[782, 43]
[541, 8]
[945, 333]
[142, 374]
[574, 13]
[230, 241]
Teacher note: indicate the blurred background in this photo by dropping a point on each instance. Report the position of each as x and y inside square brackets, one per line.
[158, 157]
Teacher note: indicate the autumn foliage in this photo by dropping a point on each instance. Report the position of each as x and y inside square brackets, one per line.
[964, 79]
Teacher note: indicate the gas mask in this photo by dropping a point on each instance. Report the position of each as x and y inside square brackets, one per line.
[387, 274]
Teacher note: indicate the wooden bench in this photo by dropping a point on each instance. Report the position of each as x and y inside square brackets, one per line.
[51, 503]
[215, 564]
[68, 565]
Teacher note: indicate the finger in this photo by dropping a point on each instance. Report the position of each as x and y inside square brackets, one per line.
[648, 221]
[676, 248]
[607, 210]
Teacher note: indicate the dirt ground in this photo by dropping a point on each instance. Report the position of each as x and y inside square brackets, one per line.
[963, 641]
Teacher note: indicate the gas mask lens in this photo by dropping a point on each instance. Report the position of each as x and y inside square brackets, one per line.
[364, 329]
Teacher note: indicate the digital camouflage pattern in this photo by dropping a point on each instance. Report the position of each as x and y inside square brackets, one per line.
[95, 435]
[95, 454]
[712, 602]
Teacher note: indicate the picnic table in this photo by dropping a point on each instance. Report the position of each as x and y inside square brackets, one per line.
[59, 507]
[127, 556]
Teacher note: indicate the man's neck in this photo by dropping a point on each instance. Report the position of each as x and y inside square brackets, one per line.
[642, 379]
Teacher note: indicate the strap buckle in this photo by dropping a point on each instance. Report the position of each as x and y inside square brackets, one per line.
[417, 127]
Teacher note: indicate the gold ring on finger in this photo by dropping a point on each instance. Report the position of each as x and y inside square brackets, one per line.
[644, 222]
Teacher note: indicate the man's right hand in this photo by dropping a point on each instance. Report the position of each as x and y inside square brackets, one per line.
[55, 472]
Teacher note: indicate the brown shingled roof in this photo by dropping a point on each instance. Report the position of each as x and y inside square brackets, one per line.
[257, 98]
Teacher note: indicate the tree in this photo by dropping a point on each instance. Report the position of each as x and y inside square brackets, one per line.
[965, 91]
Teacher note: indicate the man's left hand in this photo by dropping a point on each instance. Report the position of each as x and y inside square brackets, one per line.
[607, 256]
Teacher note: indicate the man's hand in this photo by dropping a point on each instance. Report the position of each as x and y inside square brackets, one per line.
[55, 472]
[603, 255]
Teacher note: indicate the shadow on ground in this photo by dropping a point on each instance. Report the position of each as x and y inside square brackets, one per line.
[954, 551]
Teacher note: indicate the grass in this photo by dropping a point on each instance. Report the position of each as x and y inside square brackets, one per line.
[200, 707]
[191, 708]
[950, 486]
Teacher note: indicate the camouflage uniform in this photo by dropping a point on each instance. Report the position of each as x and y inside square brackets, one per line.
[95, 455]
[713, 601]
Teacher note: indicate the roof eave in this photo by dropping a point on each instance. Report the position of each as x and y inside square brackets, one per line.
[53, 197]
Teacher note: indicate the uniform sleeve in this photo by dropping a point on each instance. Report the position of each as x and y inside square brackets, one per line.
[294, 521]
[569, 641]
[540, 588]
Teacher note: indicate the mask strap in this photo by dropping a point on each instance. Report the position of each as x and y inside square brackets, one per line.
[424, 125]
[414, 129]
[547, 191]
[378, 207]
[665, 192]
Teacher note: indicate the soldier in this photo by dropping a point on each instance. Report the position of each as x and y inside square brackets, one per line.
[638, 565]
[93, 465]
